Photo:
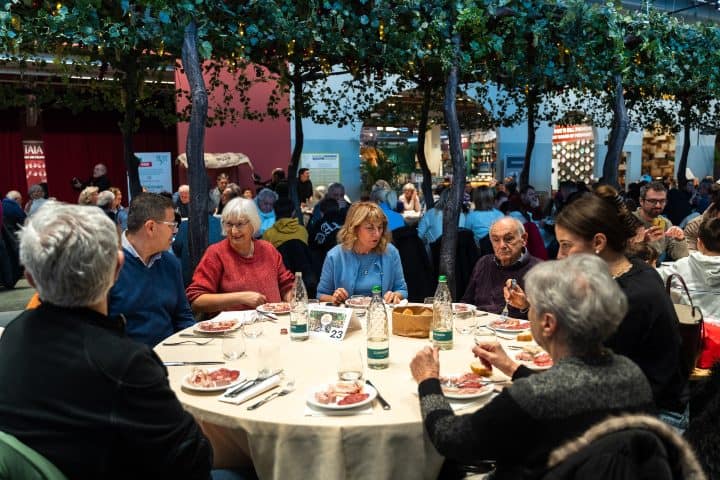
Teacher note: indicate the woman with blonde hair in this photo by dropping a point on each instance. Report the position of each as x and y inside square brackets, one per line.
[409, 199]
[363, 258]
[88, 196]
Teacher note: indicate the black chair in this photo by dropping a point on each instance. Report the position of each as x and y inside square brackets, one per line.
[415, 263]
[10, 269]
[632, 447]
[466, 257]
[297, 258]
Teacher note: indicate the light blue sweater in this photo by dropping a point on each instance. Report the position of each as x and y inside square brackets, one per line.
[342, 266]
[479, 221]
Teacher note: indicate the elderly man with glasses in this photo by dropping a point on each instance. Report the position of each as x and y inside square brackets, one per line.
[149, 291]
[668, 240]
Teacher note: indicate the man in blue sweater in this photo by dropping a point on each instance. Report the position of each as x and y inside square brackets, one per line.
[149, 291]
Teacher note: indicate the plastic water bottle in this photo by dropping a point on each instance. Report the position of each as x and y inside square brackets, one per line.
[442, 325]
[299, 311]
[378, 335]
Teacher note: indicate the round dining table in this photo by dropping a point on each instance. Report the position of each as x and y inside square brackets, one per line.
[284, 439]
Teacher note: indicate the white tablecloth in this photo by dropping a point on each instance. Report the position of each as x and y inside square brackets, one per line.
[283, 443]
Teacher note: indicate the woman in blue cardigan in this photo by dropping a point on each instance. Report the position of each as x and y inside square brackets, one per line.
[364, 257]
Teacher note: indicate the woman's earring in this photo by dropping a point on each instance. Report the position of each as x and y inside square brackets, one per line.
[597, 252]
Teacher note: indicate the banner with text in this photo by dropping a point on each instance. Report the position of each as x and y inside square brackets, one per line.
[34, 155]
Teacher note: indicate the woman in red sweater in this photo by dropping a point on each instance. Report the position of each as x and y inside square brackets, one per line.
[239, 273]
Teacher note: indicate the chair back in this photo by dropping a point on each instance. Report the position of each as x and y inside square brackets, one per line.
[297, 258]
[20, 462]
[415, 261]
[691, 325]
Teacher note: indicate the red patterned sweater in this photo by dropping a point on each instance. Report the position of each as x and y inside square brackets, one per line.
[223, 270]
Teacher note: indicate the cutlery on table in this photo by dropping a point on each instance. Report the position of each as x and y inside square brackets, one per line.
[269, 317]
[288, 388]
[179, 364]
[251, 382]
[183, 342]
[383, 402]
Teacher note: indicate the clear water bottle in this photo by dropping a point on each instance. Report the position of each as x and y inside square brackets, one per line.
[299, 312]
[442, 325]
[378, 335]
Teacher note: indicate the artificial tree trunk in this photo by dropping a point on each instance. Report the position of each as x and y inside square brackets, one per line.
[297, 83]
[195, 148]
[682, 166]
[618, 133]
[131, 84]
[422, 159]
[530, 145]
[451, 214]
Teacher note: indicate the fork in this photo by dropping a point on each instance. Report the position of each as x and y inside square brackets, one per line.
[194, 342]
[288, 388]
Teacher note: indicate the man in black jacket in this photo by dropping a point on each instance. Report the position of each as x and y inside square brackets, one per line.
[72, 386]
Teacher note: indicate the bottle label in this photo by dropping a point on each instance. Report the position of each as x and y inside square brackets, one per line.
[298, 327]
[378, 353]
[442, 335]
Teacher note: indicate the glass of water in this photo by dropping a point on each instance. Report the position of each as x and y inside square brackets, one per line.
[350, 364]
[233, 347]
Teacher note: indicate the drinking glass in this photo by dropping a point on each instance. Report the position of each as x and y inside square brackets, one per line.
[268, 357]
[350, 364]
[233, 347]
[356, 300]
[465, 324]
[253, 329]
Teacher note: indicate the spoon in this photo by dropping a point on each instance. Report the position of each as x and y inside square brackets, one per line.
[288, 388]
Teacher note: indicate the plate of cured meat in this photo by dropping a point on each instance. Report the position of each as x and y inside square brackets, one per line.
[341, 395]
[534, 357]
[278, 308]
[465, 386]
[217, 326]
[509, 325]
[216, 380]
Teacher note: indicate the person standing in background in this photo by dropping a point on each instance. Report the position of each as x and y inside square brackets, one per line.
[99, 179]
[215, 194]
[305, 186]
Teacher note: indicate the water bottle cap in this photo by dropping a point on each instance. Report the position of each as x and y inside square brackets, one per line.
[442, 278]
[376, 289]
[298, 274]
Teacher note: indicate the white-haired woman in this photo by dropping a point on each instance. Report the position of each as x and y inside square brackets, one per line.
[127, 412]
[571, 314]
[265, 201]
[409, 199]
[240, 272]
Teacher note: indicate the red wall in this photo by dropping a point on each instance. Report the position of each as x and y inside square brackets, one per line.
[266, 143]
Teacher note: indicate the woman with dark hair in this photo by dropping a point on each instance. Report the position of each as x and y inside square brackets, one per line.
[485, 213]
[601, 224]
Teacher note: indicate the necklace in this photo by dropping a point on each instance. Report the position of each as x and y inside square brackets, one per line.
[619, 272]
[364, 266]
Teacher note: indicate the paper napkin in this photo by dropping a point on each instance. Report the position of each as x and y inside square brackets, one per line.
[253, 392]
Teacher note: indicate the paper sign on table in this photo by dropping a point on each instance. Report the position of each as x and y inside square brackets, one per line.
[328, 322]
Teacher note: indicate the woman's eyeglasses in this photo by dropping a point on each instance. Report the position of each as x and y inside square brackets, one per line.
[236, 226]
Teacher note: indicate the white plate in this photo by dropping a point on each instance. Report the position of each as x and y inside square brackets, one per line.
[524, 323]
[333, 406]
[364, 302]
[271, 308]
[199, 329]
[186, 384]
[532, 366]
[463, 308]
[486, 390]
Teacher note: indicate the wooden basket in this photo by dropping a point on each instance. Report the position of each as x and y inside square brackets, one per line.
[412, 321]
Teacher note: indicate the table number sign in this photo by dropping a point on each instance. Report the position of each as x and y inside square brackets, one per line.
[328, 322]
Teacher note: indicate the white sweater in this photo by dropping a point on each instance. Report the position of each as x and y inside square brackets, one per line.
[702, 276]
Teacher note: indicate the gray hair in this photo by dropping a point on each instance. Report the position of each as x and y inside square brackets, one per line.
[14, 195]
[382, 192]
[240, 207]
[71, 252]
[105, 199]
[518, 224]
[580, 293]
[266, 192]
[34, 190]
[184, 188]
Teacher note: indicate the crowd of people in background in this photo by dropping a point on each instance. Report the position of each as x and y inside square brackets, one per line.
[621, 244]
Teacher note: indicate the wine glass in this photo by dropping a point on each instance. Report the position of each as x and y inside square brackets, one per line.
[350, 364]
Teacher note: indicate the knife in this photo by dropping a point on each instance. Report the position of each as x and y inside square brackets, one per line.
[179, 364]
[383, 402]
[250, 383]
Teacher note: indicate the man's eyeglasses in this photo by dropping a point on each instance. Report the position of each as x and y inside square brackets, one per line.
[173, 225]
[655, 201]
[236, 226]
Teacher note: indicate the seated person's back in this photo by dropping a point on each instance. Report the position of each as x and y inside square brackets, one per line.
[73, 387]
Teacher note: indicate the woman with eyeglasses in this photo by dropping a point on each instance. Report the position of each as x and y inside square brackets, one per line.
[240, 272]
[364, 257]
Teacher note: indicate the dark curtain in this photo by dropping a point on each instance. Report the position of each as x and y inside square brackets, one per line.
[12, 164]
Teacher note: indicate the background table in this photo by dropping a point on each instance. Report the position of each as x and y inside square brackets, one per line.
[283, 443]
